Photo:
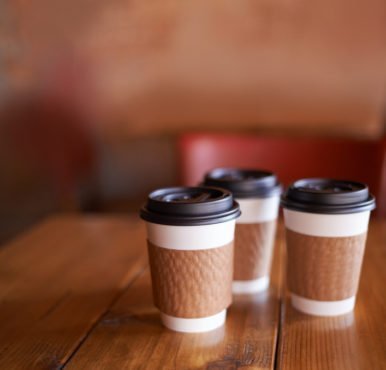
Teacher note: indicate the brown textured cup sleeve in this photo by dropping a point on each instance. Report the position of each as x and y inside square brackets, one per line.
[324, 268]
[253, 250]
[191, 283]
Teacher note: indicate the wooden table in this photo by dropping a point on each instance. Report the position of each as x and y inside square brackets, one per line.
[75, 294]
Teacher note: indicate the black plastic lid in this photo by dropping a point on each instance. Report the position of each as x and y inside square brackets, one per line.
[328, 196]
[188, 206]
[244, 183]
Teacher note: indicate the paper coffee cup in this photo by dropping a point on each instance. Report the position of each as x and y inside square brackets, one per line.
[326, 227]
[190, 234]
[258, 194]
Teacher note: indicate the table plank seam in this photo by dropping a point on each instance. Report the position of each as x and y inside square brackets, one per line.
[101, 316]
[282, 304]
[280, 328]
[55, 305]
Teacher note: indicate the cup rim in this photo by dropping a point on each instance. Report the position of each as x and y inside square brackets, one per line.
[328, 196]
[208, 205]
[244, 182]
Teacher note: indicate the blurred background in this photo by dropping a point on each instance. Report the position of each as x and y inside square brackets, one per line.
[98, 99]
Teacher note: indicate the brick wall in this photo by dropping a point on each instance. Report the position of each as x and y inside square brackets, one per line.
[140, 67]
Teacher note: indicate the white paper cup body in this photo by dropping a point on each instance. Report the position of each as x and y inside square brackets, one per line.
[192, 238]
[255, 211]
[331, 226]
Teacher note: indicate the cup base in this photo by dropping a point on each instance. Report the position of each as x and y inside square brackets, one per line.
[250, 286]
[198, 325]
[322, 308]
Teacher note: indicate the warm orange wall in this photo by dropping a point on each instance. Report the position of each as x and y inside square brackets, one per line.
[163, 66]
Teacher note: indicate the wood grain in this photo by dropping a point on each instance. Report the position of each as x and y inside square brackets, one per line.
[57, 280]
[353, 341]
[131, 336]
[75, 294]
